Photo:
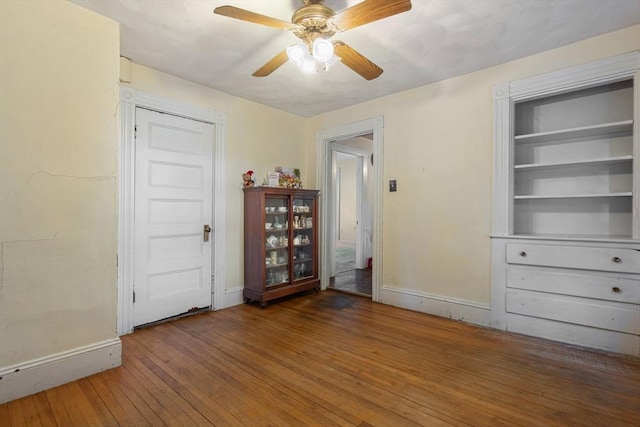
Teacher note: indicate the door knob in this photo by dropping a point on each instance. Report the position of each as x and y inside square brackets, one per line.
[207, 230]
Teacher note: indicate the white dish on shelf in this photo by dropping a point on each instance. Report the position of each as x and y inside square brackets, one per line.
[272, 241]
[282, 209]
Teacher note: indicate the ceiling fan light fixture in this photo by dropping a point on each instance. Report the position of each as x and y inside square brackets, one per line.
[309, 64]
[314, 24]
[297, 53]
[330, 62]
[322, 49]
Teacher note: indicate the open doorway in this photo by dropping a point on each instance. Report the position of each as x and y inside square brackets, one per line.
[327, 140]
[351, 220]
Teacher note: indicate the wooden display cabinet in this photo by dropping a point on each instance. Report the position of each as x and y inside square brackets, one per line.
[280, 243]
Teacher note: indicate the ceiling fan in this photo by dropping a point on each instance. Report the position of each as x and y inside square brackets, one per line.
[314, 24]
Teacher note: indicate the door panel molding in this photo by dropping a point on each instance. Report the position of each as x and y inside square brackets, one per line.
[130, 99]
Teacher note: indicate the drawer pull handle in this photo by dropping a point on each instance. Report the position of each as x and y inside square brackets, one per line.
[523, 254]
[616, 290]
[617, 260]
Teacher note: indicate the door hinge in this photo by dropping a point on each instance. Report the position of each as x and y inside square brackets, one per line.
[135, 131]
[134, 297]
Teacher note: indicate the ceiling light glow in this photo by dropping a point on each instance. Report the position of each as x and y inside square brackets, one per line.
[297, 53]
[309, 64]
[322, 49]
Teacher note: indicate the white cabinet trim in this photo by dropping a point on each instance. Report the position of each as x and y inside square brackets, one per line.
[591, 74]
[558, 290]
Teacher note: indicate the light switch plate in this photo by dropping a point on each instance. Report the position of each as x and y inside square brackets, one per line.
[392, 185]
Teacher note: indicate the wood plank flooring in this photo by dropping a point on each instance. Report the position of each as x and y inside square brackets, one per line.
[337, 359]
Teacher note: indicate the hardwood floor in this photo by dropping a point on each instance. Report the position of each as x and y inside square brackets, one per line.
[337, 359]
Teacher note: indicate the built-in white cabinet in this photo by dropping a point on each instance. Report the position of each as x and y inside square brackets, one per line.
[566, 254]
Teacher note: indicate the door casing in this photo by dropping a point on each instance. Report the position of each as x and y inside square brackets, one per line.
[130, 99]
[324, 139]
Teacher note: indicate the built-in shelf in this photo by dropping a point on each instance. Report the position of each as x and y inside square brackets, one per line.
[594, 162]
[565, 254]
[578, 132]
[567, 237]
[572, 196]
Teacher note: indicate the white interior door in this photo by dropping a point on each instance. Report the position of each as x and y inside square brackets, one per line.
[173, 205]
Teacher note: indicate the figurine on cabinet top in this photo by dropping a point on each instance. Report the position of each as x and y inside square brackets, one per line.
[247, 179]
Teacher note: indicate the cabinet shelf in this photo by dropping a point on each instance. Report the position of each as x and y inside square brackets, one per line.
[273, 285]
[276, 265]
[571, 196]
[578, 132]
[593, 162]
[572, 237]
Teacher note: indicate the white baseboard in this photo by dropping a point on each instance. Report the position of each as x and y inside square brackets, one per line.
[464, 311]
[232, 297]
[24, 379]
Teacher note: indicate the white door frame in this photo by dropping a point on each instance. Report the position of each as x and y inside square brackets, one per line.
[130, 99]
[324, 139]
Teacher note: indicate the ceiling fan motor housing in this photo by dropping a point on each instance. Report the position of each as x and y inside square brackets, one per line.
[313, 19]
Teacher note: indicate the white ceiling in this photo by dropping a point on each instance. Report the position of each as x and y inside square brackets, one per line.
[435, 40]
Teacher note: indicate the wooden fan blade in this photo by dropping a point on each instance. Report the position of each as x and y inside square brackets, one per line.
[356, 61]
[245, 15]
[272, 65]
[369, 11]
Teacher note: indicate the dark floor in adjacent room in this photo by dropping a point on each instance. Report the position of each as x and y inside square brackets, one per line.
[354, 281]
[348, 278]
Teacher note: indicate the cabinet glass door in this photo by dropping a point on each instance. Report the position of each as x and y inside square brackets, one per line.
[276, 228]
[303, 235]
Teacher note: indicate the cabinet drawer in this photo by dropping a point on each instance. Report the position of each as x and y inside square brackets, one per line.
[580, 257]
[596, 315]
[580, 285]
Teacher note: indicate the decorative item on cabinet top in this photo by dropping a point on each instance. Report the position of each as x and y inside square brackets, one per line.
[247, 179]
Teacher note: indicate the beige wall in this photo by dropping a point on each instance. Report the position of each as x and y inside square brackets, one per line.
[258, 138]
[58, 184]
[439, 146]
